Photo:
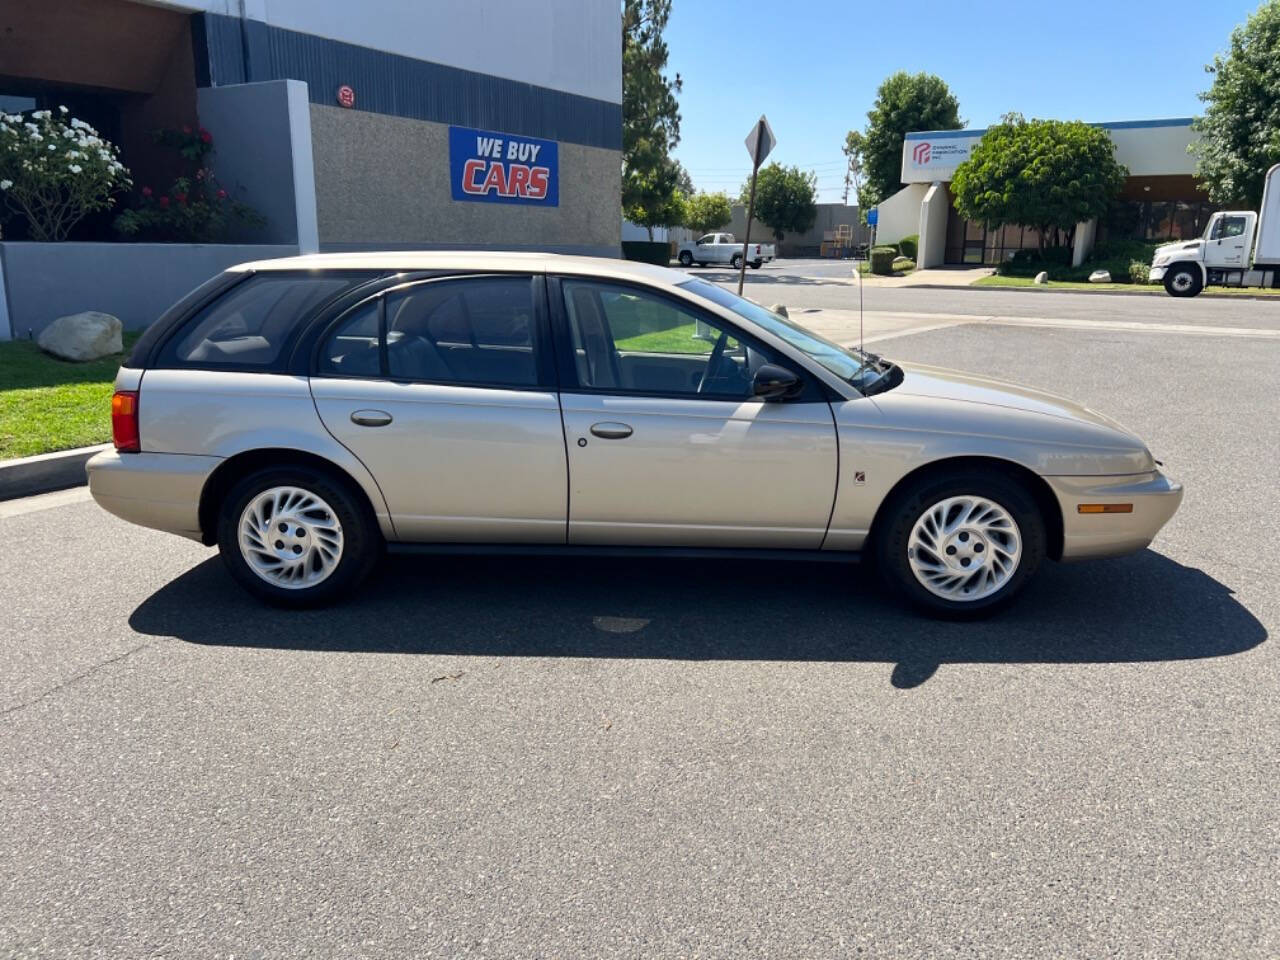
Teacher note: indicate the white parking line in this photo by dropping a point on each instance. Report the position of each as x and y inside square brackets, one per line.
[43, 501]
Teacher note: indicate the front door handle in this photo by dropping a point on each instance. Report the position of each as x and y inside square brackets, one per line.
[371, 418]
[610, 430]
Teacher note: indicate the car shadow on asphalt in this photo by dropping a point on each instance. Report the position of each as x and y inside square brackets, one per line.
[757, 277]
[1143, 608]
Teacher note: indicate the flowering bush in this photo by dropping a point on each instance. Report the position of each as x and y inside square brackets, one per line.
[55, 170]
[195, 208]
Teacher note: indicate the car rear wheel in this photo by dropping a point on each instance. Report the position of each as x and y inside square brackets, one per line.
[756, 264]
[961, 546]
[686, 259]
[1183, 280]
[297, 536]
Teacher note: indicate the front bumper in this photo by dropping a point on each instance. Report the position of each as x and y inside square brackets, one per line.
[157, 490]
[1155, 499]
[1157, 273]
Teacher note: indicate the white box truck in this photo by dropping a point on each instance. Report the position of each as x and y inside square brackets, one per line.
[1226, 255]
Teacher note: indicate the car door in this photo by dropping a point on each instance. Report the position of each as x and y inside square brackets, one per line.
[1226, 247]
[445, 390]
[667, 446]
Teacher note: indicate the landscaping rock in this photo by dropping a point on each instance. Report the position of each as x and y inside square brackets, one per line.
[1100, 276]
[1042, 277]
[780, 309]
[82, 336]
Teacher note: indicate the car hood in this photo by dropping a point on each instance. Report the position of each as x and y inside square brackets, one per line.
[938, 383]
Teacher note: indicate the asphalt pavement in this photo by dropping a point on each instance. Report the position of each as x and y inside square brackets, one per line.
[556, 758]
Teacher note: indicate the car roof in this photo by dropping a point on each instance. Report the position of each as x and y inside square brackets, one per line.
[472, 260]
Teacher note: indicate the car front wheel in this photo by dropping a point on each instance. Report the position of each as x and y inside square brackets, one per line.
[1183, 280]
[686, 259]
[736, 261]
[961, 546]
[296, 536]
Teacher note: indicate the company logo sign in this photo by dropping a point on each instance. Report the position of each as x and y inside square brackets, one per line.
[488, 167]
[936, 157]
[921, 153]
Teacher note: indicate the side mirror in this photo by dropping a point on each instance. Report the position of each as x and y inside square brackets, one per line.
[773, 382]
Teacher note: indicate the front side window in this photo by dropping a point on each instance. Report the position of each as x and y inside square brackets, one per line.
[1228, 227]
[476, 331]
[249, 326]
[630, 341]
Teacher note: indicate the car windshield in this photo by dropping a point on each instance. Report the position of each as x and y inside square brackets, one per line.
[863, 370]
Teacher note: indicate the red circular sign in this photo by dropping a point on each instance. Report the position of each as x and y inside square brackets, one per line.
[346, 96]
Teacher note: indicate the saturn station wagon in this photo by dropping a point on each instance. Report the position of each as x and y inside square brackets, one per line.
[307, 414]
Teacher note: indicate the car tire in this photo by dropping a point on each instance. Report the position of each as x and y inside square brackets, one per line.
[736, 261]
[756, 264]
[1183, 280]
[308, 513]
[1004, 543]
[686, 259]
[702, 263]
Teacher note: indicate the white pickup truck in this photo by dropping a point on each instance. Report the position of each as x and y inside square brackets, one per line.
[1226, 254]
[723, 248]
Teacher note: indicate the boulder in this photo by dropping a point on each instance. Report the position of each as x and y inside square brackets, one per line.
[82, 336]
[1042, 277]
[1100, 276]
[780, 309]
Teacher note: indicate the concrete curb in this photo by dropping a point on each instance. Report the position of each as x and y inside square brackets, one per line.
[1155, 292]
[45, 472]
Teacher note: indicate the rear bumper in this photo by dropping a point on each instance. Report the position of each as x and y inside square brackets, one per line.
[1155, 499]
[157, 490]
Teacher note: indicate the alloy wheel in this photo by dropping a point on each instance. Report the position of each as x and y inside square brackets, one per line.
[964, 548]
[290, 537]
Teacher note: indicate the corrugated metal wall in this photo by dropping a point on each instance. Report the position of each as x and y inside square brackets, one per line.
[230, 50]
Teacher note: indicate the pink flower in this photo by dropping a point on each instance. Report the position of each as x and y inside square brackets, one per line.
[186, 128]
[180, 197]
[222, 194]
[206, 136]
[146, 191]
[164, 202]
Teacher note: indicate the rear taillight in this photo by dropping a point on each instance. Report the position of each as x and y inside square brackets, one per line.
[124, 421]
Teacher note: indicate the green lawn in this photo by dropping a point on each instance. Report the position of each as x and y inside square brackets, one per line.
[996, 280]
[48, 404]
[672, 340]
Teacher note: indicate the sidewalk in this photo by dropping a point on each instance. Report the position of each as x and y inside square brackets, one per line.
[932, 277]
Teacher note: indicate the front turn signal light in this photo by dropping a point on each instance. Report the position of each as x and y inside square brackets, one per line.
[124, 421]
[1105, 508]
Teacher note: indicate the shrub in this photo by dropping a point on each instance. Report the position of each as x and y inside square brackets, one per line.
[910, 246]
[195, 208]
[55, 169]
[882, 260]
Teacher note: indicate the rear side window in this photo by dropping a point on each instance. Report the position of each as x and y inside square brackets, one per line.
[477, 332]
[250, 325]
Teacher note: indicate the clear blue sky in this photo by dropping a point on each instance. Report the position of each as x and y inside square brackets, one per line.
[813, 68]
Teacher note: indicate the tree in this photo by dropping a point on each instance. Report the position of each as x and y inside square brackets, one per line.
[1240, 130]
[707, 212]
[1044, 174]
[905, 102]
[784, 199]
[650, 116]
[855, 148]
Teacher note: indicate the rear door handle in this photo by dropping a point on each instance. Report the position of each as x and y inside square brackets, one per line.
[610, 430]
[371, 418]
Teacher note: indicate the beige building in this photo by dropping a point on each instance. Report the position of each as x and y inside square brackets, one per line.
[1159, 201]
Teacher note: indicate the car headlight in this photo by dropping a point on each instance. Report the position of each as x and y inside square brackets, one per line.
[1160, 261]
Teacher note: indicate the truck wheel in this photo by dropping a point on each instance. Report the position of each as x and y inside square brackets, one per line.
[702, 263]
[1183, 280]
[686, 258]
[756, 264]
[736, 261]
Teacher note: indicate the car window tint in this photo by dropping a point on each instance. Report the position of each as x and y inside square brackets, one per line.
[251, 323]
[463, 331]
[626, 340]
[352, 349]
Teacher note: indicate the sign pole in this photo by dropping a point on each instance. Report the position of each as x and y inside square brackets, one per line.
[751, 204]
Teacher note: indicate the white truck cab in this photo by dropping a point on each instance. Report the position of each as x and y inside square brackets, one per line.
[723, 248]
[1226, 254]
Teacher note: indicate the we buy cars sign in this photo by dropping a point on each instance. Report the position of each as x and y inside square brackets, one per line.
[489, 167]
